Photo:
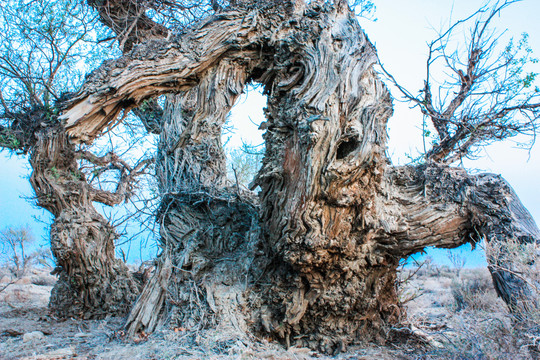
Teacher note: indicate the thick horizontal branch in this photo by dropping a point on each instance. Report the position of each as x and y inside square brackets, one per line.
[159, 67]
[433, 205]
[424, 206]
[445, 207]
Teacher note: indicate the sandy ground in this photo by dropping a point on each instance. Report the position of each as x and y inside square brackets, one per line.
[28, 331]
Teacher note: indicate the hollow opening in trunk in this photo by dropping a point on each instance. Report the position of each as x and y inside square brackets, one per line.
[346, 147]
[242, 136]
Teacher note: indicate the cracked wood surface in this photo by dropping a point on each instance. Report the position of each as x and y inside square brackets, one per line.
[335, 218]
[158, 67]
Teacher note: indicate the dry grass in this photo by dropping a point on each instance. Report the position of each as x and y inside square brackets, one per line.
[464, 318]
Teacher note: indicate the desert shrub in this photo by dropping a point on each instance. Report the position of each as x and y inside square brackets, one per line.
[43, 280]
[458, 261]
[472, 294]
[14, 242]
[482, 327]
[426, 268]
[520, 261]
[479, 324]
[243, 164]
[478, 334]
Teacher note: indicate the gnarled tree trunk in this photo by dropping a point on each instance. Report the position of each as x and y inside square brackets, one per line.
[92, 282]
[318, 266]
[202, 217]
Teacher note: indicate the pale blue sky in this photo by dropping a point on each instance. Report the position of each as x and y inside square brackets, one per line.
[400, 34]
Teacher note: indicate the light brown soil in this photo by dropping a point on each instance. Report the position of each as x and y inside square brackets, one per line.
[433, 315]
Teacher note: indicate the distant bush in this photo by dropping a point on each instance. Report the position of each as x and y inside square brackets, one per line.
[243, 163]
[43, 280]
[14, 242]
[18, 254]
[483, 328]
[471, 293]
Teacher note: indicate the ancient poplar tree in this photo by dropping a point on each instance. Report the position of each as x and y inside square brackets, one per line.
[312, 259]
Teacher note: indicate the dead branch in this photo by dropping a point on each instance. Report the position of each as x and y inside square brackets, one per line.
[181, 63]
[127, 177]
[486, 96]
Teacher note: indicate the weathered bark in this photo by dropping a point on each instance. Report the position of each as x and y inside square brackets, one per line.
[325, 139]
[202, 217]
[335, 218]
[148, 309]
[92, 283]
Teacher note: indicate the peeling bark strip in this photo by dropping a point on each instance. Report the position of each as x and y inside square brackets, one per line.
[319, 267]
